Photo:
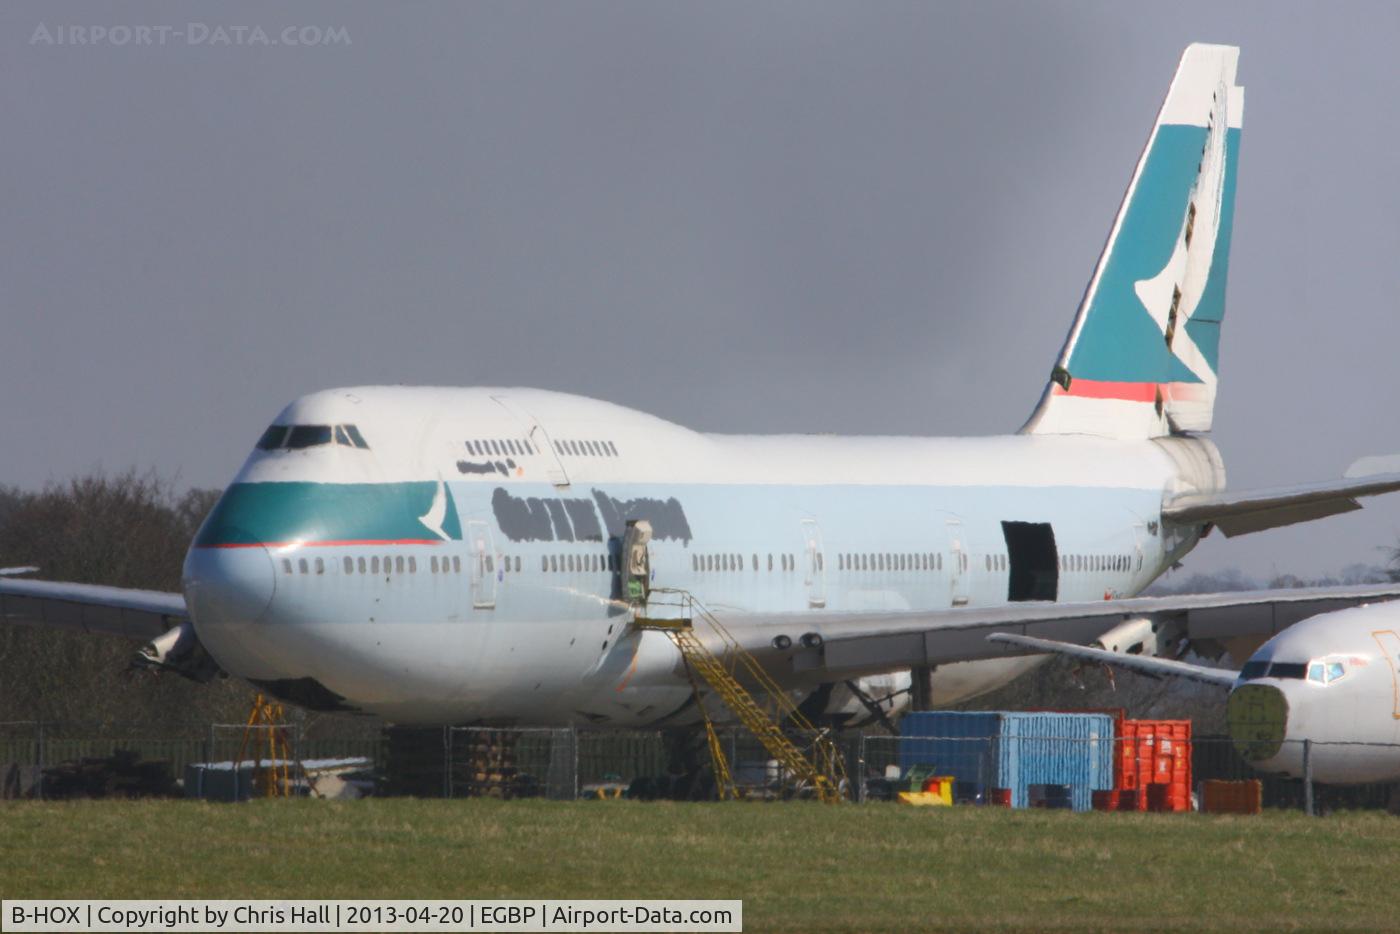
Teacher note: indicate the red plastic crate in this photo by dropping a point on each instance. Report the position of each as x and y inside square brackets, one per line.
[1153, 755]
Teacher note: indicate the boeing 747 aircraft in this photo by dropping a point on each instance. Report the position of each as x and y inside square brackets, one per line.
[478, 555]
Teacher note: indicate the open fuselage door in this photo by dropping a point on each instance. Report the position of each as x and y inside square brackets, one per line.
[1034, 561]
[815, 564]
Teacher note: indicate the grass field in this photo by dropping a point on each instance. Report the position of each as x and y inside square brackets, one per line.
[797, 866]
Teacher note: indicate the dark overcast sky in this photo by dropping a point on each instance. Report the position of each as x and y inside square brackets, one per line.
[859, 218]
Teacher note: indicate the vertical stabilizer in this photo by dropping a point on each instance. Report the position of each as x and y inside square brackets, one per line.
[1143, 357]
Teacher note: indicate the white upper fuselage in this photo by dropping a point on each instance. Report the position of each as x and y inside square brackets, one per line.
[461, 566]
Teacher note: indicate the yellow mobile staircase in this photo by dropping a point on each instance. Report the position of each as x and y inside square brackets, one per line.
[820, 766]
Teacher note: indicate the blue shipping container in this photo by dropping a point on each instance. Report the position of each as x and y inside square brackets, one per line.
[1008, 749]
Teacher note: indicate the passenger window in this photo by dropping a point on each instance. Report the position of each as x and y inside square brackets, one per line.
[456, 564]
[301, 565]
[305, 436]
[770, 561]
[287, 565]
[272, 438]
[490, 564]
[398, 564]
[388, 564]
[613, 448]
[558, 448]
[544, 563]
[360, 563]
[320, 566]
[349, 565]
[570, 561]
[755, 562]
[432, 564]
[517, 564]
[412, 565]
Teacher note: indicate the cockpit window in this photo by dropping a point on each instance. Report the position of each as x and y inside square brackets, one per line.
[1335, 670]
[1252, 670]
[356, 438]
[272, 438]
[1317, 672]
[1298, 670]
[296, 437]
[305, 436]
[1264, 669]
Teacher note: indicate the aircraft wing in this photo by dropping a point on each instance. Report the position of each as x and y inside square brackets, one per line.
[141, 614]
[1142, 664]
[1245, 511]
[824, 646]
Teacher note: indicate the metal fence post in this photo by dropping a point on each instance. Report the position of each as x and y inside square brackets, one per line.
[860, 771]
[1307, 778]
[447, 762]
[39, 754]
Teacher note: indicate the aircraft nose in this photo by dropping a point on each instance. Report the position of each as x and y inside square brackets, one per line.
[229, 585]
[1258, 719]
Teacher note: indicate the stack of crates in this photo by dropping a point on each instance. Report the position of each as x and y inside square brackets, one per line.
[995, 750]
[1154, 765]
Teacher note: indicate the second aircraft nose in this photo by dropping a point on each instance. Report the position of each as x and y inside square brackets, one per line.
[1258, 718]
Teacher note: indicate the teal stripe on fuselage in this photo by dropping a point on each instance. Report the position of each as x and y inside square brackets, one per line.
[271, 513]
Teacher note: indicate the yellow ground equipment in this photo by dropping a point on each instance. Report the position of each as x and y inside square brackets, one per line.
[726, 672]
[266, 734]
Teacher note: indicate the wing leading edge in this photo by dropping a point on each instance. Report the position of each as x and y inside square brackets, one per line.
[139, 614]
[820, 647]
[1142, 664]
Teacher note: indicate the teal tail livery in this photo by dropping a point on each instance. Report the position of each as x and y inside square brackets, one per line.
[1143, 357]
[482, 555]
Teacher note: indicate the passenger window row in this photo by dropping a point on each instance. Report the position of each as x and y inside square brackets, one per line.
[587, 563]
[1096, 563]
[887, 561]
[586, 448]
[296, 437]
[500, 447]
[735, 562]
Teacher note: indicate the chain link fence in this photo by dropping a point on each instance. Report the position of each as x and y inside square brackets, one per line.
[66, 760]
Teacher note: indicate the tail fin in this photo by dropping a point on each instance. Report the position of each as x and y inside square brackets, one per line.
[1143, 357]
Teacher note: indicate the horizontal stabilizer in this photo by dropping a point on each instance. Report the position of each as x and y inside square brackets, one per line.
[1142, 664]
[1374, 465]
[1241, 512]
